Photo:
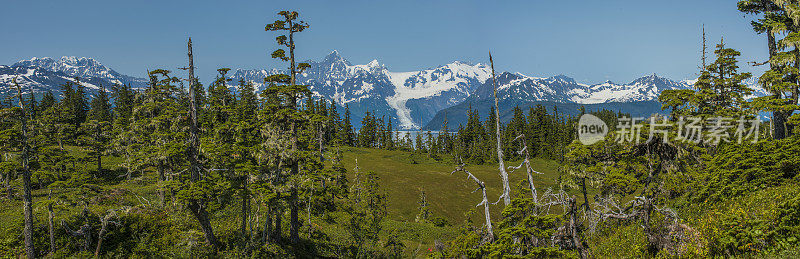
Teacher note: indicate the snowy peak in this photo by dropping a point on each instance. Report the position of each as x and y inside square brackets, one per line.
[658, 82]
[562, 79]
[410, 99]
[436, 88]
[561, 88]
[72, 66]
[646, 88]
[48, 74]
[335, 57]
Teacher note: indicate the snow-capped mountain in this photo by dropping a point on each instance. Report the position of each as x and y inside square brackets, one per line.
[565, 89]
[639, 97]
[47, 74]
[645, 88]
[410, 99]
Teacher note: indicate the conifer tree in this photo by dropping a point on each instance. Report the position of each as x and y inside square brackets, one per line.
[48, 100]
[289, 88]
[98, 127]
[123, 105]
[100, 107]
[778, 79]
[77, 104]
[346, 133]
[727, 92]
[197, 205]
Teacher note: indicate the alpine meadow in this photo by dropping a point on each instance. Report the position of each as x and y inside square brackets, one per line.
[311, 157]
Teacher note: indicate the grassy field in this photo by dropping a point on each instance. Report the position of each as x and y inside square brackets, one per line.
[403, 175]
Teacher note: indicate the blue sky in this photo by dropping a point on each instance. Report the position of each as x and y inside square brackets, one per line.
[592, 41]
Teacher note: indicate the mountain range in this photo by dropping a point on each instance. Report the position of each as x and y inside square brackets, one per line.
[412, 100]
[47, 74]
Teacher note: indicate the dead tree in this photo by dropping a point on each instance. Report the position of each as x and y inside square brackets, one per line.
[84, 232]
[245, 209]
[104, 221]
[485, 202]
[529, 170]
[196, 206]
[503, 174]
[670, 236]
[577, 240]
[27, 203]
[7, 179]
[568, 235]
[50, 222]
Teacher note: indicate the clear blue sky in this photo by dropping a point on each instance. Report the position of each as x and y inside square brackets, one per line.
[591, 40]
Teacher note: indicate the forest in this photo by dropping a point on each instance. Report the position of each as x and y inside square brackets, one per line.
[182, 169]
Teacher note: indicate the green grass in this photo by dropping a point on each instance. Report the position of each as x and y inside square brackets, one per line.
[449, 196]
[402, 175]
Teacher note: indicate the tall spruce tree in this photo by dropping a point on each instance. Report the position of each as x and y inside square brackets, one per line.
[287, 86]
[779, 80]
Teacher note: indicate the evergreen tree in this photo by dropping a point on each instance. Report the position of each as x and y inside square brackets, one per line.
[368, 134]
[48, 100]
[347, 134]
[123, 105]
[778, 80]
[77, 104]
[98, 127]
[286, 86]
[100, 107]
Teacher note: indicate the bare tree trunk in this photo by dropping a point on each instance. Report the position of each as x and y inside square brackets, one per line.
[26, 180]
[652, 238]
[278, 225]
[245, 211]
[50, 222]
[103, 229]
[253, 221]
[529, 170]
[503, 174]
[321, 146]
[87, 236]
[487, 215]
[161, 178]
[308, 216]
[585, 195]
[9, 190]
[267, 224]
[196, 206]
[577, 241]
[485, 202]
[99, 155]
[294, 219]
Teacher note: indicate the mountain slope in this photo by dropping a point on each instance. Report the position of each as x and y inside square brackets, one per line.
[410, 99]
[639, 97]
[47, 74]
